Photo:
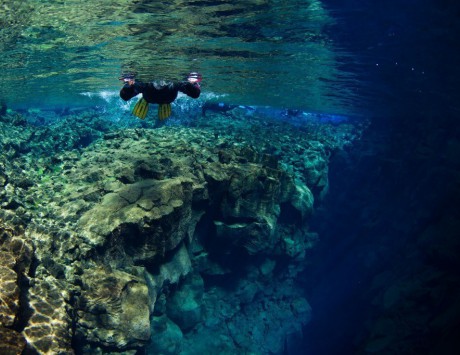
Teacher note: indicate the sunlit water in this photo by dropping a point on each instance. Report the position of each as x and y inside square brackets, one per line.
[253, 52]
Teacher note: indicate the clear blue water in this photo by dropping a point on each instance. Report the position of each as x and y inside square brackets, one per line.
[389, 219]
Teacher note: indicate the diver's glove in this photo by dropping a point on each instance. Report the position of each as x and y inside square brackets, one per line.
[129, 91]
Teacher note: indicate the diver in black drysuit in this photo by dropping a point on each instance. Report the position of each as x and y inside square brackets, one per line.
[160, 92]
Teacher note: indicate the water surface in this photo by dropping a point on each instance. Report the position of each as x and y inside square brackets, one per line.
[257, 52]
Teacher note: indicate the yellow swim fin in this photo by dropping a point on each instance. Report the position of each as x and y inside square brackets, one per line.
[164, 111]
[141, 108]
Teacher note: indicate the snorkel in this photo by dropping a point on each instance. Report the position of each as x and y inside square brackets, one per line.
[128, 78]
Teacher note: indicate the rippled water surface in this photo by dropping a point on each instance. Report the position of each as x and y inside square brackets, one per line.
[260, 52]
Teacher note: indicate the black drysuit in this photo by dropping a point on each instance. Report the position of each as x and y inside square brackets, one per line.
[160, 92]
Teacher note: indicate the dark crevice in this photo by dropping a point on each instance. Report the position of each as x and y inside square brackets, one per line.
[30, 351]
[289, 215]
[33, 266]
[238, 220]
[23, 282]
[82, 347]
[154, 266]
[25, 311]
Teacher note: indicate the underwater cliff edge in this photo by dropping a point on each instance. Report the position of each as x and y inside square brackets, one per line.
[169, 240]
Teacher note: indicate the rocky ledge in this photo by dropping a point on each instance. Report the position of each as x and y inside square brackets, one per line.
[166, 241]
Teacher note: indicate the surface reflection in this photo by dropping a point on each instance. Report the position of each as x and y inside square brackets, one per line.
[256, 52]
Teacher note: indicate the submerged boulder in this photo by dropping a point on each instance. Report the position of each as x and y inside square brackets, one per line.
[113, 309]
[184, 306]
[148, 218]
[167, 337]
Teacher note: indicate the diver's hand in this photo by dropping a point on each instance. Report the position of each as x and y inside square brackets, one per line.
[130, 82]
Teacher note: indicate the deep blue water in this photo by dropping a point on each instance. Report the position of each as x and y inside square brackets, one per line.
[387, 193]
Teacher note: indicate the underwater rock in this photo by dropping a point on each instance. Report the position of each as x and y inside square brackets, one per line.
[248, 197]
[184, 306]
[272, 314]
[11, 342]
[302, 200]
[9, 290]
[15, 262]
[303, 152]
[149, 218]
[316, 168]
[172, 270]
[271, 324]
[169, 273]
[9, 294]
[252, 191]
[113, 309]
[202, 263]
[166, 337]
[49, 327]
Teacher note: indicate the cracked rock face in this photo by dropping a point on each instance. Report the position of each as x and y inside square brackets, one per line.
[113, 309]
[15, 260]
[148, 217]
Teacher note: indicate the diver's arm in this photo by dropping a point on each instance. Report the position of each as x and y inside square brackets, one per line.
[189, 89]
[127, 92]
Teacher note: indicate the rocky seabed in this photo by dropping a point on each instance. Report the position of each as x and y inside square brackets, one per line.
[175, 240]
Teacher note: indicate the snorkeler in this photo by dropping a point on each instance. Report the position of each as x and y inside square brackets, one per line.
[158, 92]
